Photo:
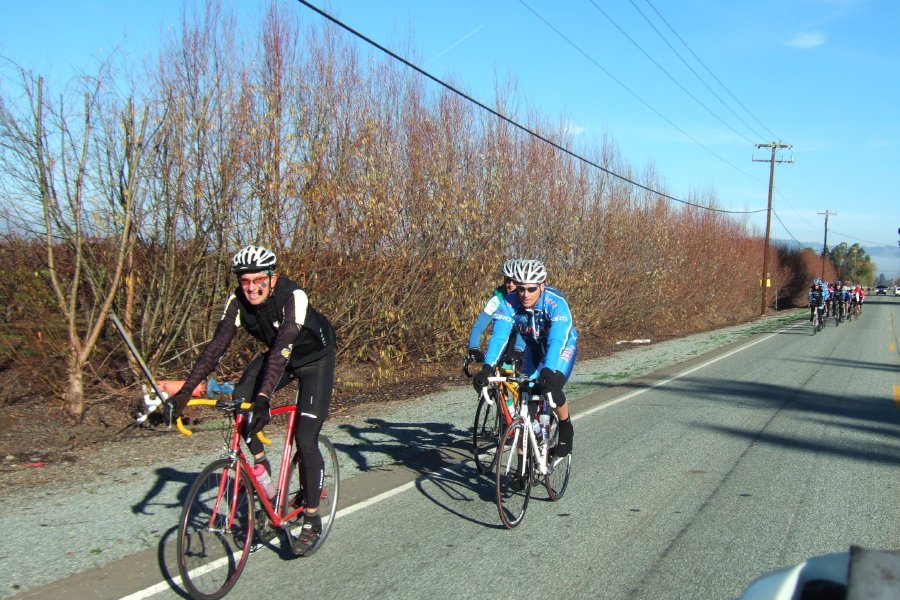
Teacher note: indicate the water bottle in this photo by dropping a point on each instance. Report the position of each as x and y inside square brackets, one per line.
[262, 476]
[537, 429]
[544, 421]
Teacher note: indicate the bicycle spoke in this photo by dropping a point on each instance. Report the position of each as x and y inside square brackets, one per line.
[513, 476]
[295, 496]
[557, 480]
[485, 435]
[559, 468]
[215, 532]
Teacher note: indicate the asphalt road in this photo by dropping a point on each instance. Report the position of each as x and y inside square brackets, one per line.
[687, 483]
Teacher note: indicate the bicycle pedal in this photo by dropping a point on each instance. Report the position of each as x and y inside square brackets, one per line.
[266, 534]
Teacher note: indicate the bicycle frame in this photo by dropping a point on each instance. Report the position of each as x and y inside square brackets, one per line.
[511, 387]
[239, 459]
[521, 412]
[284, 474]
[536, 449]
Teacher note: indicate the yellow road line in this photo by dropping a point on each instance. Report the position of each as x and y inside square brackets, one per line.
[897, 396]
[893, 348]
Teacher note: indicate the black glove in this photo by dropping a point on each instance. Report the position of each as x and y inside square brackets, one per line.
[476, 354]
[260, 417]
[480, 380]
[175, 405]
[546, 381]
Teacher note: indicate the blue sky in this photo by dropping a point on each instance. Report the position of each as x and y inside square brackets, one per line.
[821, 75]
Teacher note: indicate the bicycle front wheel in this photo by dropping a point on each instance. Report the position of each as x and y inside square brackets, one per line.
[486, 434]
[216, 531]
[513, 475]
[295, 497]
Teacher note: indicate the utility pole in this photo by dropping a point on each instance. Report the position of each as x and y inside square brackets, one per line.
[764, 282]
[825, 243]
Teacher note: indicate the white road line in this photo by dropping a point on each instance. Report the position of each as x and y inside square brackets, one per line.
[661, 382]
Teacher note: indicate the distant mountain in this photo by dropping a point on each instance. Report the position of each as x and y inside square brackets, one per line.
[817, 246]
[886, 259]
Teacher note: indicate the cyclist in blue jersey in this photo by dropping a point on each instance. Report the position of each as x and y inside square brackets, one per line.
[487, 314]
[541, 316]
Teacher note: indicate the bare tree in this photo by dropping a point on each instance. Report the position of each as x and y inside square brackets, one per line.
[77, 170]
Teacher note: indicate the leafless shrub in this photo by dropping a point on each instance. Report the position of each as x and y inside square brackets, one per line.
[393, 202]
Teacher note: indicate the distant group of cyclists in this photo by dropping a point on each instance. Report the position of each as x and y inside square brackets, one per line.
[834, 299]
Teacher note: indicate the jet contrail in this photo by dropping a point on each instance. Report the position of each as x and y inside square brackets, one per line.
[445, 51]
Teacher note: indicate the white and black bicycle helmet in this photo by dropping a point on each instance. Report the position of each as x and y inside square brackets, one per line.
[530, 271]
[253, 259]
[509, 268]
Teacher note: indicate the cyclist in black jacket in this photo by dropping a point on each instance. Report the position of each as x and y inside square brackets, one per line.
[837, 300]
[276, 311]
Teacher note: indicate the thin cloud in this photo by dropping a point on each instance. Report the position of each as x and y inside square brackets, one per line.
[573, 129]
[804, 41]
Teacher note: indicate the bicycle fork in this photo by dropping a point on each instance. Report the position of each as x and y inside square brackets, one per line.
[231, 502]
[530, 446]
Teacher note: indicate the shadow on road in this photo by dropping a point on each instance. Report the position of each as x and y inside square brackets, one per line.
[863, 413]
[396, 439]
[166, 476]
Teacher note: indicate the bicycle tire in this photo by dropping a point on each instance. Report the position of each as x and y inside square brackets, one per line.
[211, 556]
[560, 468]
[513, 477]
[328, 499]
[486, 434]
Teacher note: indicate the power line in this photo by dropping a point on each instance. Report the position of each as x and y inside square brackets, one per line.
[709, 71]
[791, 235]
[627, 89]
[669, 75]
[514, 123]
[697, 75]
[859, 240]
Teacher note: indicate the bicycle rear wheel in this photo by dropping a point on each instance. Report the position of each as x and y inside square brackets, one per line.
[513, 475]
[486, 433]
[560, 468]
[295, 496]
[558, 479]
[216, 531]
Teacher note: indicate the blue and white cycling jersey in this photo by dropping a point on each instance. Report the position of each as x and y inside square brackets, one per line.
[485, 317]
[823, 290]
[547, 330]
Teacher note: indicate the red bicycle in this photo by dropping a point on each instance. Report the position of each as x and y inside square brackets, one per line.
[216, 531]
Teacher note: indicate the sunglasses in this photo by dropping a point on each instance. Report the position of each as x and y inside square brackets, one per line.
[258, 281]
[522, 289]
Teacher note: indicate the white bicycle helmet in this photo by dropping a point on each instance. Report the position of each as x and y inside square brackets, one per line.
[509, 268]
[530, 271]
[253, 259]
